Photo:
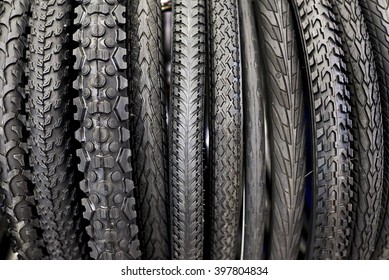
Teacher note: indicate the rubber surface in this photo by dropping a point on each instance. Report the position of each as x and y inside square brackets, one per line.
[50, 136]
[287, 128]
[186, 130]
[148, 126]
[102, 109]
[331, 128]
[19, 199]
[254, 147]
[225, 128]
[367, 127]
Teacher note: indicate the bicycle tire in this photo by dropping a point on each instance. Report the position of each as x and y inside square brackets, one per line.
[148, 127]
[102, 109]
[367, 127]
[186, 130]
[331, 130]
[19, 204]
[284, 88]
[225, 128]
[376, 14]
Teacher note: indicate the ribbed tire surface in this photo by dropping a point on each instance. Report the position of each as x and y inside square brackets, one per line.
[287, 128]
[376, 15]
[254, 147]
[331, 130]
[367, 127]
[225, 128]
[186, 132]
[148, 126]
[49, 140]
[19, 198]
[102, 109]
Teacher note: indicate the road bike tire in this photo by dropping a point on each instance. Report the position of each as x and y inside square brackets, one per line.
[148, 126]
[284, 89]
[186, 129]
[19, 204]
[102, 110]
[226, 129]
[367, 130]
[50, 133]
[331, 128]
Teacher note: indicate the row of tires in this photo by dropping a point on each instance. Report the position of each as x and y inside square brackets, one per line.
[265, 137]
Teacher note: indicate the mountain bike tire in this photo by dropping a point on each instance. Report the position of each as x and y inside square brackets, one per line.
[19, 204]
[102, 109]
[186, 130]
[50, 137]
[367, 127]
[331, 129]
[376, 14]
[253, 130]
[284, 88]
[148, 127]
[226, 128]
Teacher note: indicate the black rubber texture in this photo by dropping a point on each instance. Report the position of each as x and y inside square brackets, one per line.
[254, 146]
[148, 126]
[376, 14]
[48, 122]
[226, 128]
[186, 130]
[331, 130]
[367, 127]
[19, 198]
[102, 109]
[284, 88]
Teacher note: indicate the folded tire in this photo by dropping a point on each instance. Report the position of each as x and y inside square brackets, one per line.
[331, 130]
[102, 109]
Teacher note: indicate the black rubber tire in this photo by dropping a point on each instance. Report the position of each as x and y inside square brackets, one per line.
[254, 146]
[376, 14]
[148, 126]
[19, 198]
[367, 127]
[186, 128]
[331, 130]
[226, 129]
[48, 121]
[285, 96]
[102, 109]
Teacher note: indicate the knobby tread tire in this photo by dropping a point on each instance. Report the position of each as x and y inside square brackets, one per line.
[331, 130]
[48, 122]
[102, 109]
[186, 131]
[287, 127]
[148, 126]
[19, 197]
[367, 127]
[376, 14]
[226, 128]
[254, 147]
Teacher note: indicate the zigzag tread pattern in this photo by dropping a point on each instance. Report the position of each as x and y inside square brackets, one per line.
[102, 109]
[331, 129]
[187, 128]
[225, 128]
[148, 126]
[367, 127]
[19, 204]
[376, 15]
[287, 128]
[48, 122]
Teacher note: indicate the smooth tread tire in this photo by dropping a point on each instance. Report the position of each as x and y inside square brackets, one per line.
[330, 232]
[102, 110]
[285, 99]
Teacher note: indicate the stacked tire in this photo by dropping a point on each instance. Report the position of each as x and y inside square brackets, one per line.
[238, 129]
